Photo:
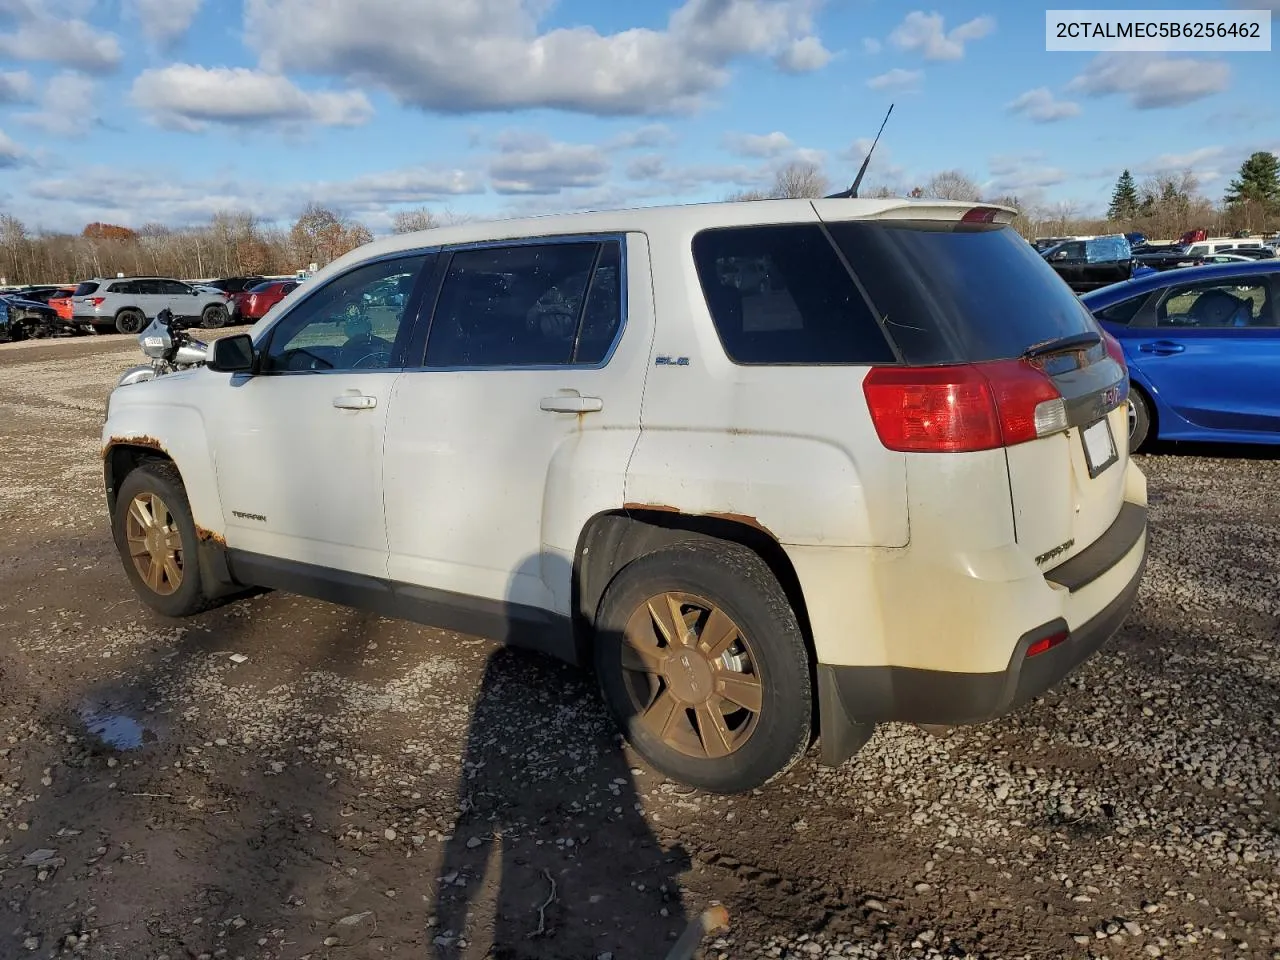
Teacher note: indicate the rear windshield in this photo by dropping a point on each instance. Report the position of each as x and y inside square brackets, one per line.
[84, 289]
[263, 287]
[953, 292]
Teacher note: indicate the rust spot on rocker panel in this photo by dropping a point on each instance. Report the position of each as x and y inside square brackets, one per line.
[731, 517]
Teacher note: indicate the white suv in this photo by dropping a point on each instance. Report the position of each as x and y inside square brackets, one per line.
[126, 304]
[884, 479]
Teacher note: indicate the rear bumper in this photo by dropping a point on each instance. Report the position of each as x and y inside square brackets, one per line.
[854, 698]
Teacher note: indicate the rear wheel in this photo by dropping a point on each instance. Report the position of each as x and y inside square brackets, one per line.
[156, 537]
[214, 315]
[130, 321]
[702, 663]
[1139, 420]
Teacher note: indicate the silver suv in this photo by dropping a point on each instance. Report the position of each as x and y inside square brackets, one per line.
[126, 304]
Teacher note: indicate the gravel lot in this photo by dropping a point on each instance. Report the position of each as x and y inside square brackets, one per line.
[281, 778]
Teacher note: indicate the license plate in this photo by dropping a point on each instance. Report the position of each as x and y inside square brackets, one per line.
[1099, 447]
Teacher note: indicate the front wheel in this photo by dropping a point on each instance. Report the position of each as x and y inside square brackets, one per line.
[215, 315]
[156, 537]
[702, 663]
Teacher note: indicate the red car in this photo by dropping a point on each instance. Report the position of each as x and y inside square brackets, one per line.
[253, 304]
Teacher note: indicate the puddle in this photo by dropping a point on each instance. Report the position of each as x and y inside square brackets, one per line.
[114, 729]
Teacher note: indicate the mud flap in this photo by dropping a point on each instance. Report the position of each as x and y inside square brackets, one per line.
[841, 736]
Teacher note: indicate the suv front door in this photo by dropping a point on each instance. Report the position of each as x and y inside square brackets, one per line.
[521, 419]
[298, 446]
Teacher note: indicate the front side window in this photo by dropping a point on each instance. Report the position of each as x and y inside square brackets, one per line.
[173, 287]
[351, 323]
[1237, 303]
[528, 305]
[1123, 312]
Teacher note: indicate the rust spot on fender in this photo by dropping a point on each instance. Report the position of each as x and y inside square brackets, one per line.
[209, 536]
[741, 518]
[151, 443]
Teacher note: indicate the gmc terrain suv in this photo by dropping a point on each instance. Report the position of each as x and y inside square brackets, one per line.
[777, 470]
[126, 304]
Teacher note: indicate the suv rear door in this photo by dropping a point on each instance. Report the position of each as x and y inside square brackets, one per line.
[975, 292]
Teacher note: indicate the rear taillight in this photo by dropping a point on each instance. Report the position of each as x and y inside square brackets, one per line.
[97, 301]
[1045, 644]
[962, 408]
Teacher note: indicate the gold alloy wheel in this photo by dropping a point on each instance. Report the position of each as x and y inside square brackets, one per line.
[155, 544]
[691, 674]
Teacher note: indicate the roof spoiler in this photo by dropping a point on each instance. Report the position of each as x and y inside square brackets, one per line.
[852, 192]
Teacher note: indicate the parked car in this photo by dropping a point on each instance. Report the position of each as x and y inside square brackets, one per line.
[904, 496]
[253, 304]
[127, 304]
[233, 285]
[1203, 349]
[1092, 263]
[26, 319]
[44, 293]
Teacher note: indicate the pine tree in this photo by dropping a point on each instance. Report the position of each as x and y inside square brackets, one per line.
[1124, 200]
[1259, 181]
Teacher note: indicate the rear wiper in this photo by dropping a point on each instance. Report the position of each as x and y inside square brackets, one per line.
[1074, 342]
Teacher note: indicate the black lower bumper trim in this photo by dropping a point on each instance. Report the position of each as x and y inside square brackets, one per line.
[884, 694]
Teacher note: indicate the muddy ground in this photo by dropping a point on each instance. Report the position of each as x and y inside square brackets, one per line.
[281, 778]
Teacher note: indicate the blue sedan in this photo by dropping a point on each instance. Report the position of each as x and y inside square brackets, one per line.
[1203, 348]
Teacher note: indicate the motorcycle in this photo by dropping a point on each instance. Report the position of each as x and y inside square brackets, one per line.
[169, 346]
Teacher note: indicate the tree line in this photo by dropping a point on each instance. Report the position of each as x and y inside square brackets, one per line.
[231, 244]
[240, 244]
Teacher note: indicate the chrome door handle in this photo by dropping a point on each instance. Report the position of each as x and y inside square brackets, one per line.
[355, 403]
[571, 403]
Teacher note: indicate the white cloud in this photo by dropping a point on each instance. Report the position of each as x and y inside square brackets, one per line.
[16, 87]
[871, 46]
[531, 163]
[923, 33]
[881, 169]
[189, 97]
[685, 179]
[43, 34]
[758, 144]
[66, 106]
[165, 21]
[11, 153]
[491, 55]
[905, 81]
[1039, 105]
[1175, 162]
[1151, 81]
[650, 135]
[804, 55]
[137, 195]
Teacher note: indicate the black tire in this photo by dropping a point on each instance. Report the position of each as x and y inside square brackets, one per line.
[213, 316]
[130, 321]
[161, 479]
[17, 332]
[741, 585]
[1139, 420]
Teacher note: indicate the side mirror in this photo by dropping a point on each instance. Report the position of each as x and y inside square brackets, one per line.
[232, 354]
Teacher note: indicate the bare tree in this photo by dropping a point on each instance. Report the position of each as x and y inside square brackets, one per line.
[952, 185]
[411, 221]
[800, 179]
[741, 195]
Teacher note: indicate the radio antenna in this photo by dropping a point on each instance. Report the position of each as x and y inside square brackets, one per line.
[852, 192]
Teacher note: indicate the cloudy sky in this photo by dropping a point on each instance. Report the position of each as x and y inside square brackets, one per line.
[132, 111]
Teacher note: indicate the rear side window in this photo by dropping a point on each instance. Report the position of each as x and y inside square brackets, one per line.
[123, 286]
[1123, 312]
[527, 305]
[85, 289]
[262, 287]
[959, 292]
[780, 295]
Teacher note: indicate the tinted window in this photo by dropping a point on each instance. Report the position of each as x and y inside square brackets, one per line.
[1122, 312]
[351, 323]
[172, 287]
[602, 315]
[85, 289]
[779, 294]
[262, 287]
[148, 288]
[1237, 303]
[123, 286]
[953, 292]
[511, 306]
